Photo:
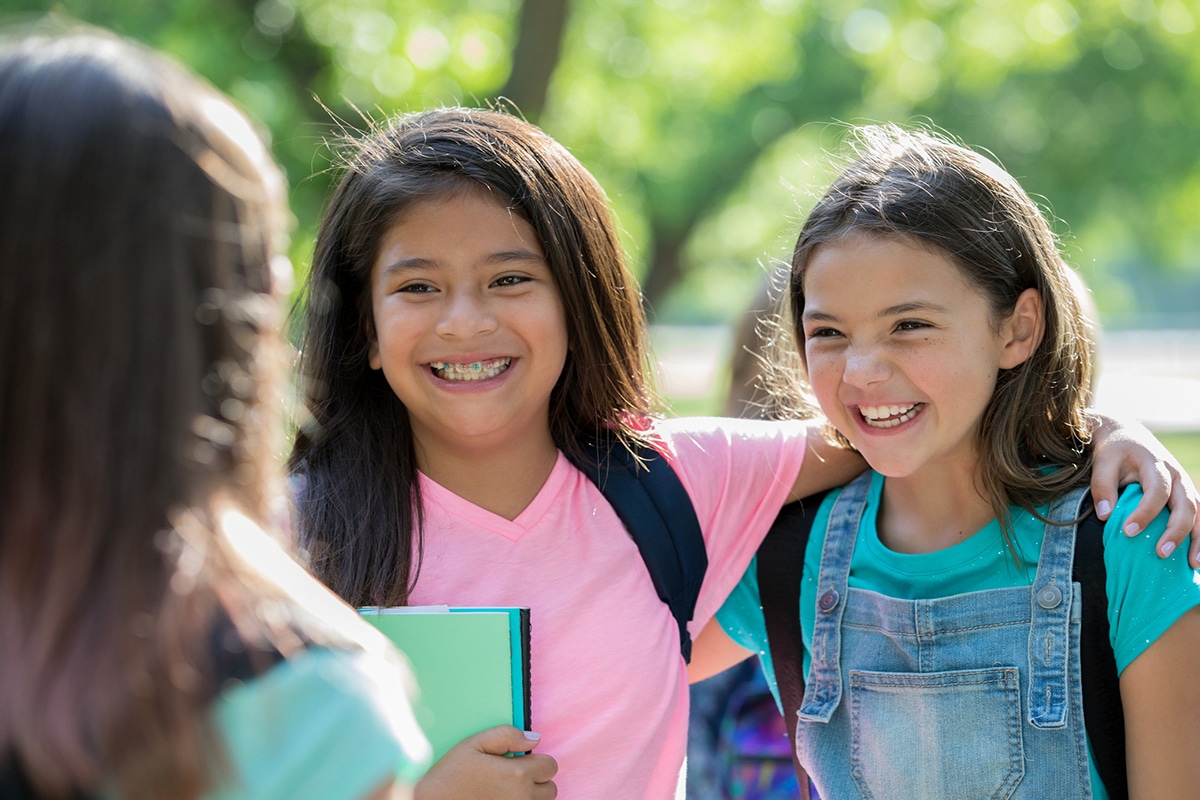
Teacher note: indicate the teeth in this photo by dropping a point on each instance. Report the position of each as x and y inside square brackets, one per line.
[473, 371]
[889, 416]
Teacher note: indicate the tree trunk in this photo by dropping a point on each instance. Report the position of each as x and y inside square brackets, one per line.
[664, 268]
[535, 55]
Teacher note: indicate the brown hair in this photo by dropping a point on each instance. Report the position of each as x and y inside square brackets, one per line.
[138, 372]
[924, 188]
[359, 511]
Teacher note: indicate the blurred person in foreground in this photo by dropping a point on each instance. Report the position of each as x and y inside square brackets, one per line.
[155, 640]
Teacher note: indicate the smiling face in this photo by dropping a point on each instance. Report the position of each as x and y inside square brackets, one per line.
[470, 330]
[902, 352]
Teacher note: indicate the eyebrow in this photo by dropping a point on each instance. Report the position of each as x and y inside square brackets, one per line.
[891, 311]
[494, 259]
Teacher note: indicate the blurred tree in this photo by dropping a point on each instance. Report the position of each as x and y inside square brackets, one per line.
[258, 52]
[675, 101]
[706, 119]
[535, 54]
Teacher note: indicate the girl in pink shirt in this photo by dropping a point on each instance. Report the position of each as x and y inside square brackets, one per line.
[469, 318]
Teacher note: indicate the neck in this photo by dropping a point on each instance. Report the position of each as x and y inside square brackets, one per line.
[503, 481]
[932, 510]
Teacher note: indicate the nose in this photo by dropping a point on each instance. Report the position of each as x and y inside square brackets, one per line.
[465, 314]
[865, 365]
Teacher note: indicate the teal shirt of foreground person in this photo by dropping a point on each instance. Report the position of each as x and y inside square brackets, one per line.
[317, 727]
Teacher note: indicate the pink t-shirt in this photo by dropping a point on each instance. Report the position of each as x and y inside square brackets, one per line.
[609, 686]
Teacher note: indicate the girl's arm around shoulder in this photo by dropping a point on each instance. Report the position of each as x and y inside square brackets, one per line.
[1128, 453]
[1146, 594]
[1160, 693]
[826, 465]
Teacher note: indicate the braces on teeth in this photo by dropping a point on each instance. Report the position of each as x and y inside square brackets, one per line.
[477, 370]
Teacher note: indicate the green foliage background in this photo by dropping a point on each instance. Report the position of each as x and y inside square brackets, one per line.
[707, 120]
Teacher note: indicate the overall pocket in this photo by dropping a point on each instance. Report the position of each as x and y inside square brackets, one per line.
[936, 735]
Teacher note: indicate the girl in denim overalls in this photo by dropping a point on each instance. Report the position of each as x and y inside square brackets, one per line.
[940, 623]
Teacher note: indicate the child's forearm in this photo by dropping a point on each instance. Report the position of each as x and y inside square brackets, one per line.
[826, 465]
[714, 652]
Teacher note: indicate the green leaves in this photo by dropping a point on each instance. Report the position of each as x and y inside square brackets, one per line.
[705, 119]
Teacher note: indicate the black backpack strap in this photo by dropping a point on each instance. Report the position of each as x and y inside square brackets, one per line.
[780, 567]
[1102, 711]
[658, 513]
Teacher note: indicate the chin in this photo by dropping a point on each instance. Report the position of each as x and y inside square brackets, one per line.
[890, 467]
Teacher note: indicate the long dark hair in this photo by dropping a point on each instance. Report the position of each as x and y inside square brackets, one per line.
[924, 188]
[139, 377]
[359, 510]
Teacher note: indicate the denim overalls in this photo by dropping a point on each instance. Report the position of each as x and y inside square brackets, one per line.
[959, 698]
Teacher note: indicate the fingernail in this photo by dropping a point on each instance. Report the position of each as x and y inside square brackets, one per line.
[1132, 529]
[1167, 549]
[533, 737]
[1103, 508]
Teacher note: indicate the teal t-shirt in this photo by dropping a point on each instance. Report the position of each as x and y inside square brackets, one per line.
[1146, 594]
[325, 725]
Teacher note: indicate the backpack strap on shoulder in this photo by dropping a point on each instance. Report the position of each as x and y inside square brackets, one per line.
[658, 513]
[1103, 715]
[780, 567]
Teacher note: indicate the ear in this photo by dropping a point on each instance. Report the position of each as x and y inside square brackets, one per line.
[1022, 331]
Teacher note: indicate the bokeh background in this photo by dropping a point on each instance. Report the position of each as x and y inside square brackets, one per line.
[707, 122]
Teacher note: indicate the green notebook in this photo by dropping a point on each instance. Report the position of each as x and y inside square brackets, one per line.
[471, 666]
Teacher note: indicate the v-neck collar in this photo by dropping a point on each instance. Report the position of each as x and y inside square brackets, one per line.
[434, 492]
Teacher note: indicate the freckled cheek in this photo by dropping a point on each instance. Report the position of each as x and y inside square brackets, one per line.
[825, 376]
